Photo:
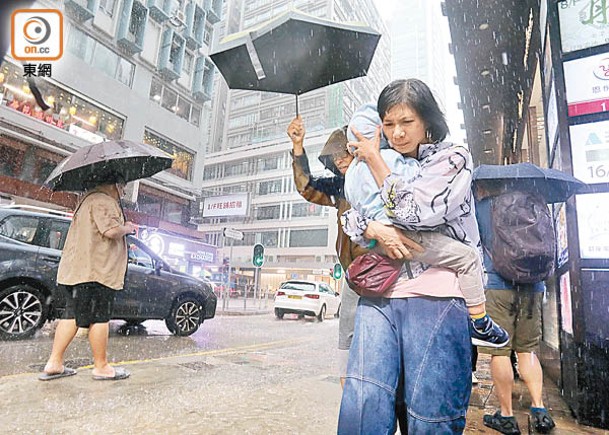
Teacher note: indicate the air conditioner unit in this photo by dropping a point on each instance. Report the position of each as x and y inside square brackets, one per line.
[178, 19]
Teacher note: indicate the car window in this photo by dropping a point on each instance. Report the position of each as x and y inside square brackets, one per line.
[324, 288]
[56, 233]
[22, 228]
[302, 286]
[139, 257]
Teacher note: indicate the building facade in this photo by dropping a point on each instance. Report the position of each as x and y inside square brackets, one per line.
[421, 48]
[249, 151]
[131, 69]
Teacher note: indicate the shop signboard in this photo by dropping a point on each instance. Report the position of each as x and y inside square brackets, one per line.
[587, 85]
[590, 151]
[593, 225]
[226, 205]
[583, 24]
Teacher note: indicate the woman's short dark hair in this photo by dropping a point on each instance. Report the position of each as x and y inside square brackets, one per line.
[418, 96]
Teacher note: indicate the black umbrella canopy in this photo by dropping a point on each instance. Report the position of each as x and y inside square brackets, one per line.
[295, 53]
[107, 162]
[555, 186]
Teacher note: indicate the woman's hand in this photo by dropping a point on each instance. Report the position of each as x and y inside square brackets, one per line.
[369, 151]
[365, 149]
[394, 243]
[296, 133]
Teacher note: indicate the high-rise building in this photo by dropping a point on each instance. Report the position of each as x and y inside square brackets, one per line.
[421, 48]
[131, 69]
[249, 149]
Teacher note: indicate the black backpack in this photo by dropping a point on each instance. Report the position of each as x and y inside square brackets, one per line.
[524, 242]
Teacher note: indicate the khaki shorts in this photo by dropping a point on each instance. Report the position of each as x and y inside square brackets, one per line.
[519, 313]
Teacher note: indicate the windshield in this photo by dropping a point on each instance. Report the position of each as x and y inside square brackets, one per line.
[302, 286]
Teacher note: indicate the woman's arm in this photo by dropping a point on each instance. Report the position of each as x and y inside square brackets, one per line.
[393, 242]
[439, 194]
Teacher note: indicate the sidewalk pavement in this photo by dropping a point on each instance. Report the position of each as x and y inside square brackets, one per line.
[484, 401]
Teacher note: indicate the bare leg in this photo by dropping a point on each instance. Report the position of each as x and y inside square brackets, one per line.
[64, 334]
[532, 375]
[503, 379]
[98, 338]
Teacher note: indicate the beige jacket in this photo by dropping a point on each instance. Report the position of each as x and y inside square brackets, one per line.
[87, 255]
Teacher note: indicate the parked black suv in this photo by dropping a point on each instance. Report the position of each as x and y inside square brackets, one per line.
[30, 249]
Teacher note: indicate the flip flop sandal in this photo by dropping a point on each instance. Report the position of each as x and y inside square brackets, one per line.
[50, 376]
[542, 423]
[119, 374]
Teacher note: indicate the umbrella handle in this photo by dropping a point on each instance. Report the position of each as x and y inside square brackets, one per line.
[296, 104]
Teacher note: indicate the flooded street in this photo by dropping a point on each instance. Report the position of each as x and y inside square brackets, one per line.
[251, 374]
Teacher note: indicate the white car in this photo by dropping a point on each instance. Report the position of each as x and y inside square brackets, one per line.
[308, 298]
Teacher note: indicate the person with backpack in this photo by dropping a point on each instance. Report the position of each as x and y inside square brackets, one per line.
[518, 240]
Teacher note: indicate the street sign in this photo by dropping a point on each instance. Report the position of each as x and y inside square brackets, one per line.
[232, 234]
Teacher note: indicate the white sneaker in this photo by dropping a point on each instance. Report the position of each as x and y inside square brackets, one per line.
[475, 380]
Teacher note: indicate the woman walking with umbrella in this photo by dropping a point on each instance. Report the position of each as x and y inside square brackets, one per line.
[94, 259]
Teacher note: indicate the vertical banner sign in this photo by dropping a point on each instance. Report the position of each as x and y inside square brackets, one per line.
[565, 303]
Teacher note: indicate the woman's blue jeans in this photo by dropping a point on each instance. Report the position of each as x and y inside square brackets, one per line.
[425, 340]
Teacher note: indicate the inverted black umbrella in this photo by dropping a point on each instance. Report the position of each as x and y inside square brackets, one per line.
[555, 186]
[295, 53]
[107, 162]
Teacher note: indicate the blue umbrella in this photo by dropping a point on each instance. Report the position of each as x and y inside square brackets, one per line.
[555, 186]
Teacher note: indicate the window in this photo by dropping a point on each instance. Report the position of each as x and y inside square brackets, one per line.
[21, 228]
[269, 187]
[139, 257]
[79, 116]
[187, 66]
[100, 57]
[269, 163]
[308, 238]
[306, 209]
[268, 212]
[56, 232]
[183, 160]
[270, 239]
[107, 7]
[174, 102]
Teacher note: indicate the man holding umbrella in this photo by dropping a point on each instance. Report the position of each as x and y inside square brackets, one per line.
[92, 268]
[94, 259]
[516, 195]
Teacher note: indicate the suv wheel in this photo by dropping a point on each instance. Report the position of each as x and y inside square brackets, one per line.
[278, 313]
[186, 316]
[22, 312]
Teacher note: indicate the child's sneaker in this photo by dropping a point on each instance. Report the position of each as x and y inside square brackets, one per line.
[487, 333]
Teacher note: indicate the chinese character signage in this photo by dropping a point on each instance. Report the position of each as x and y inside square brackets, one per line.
[583, 23]
[593, 225]
[590, 151]
[587, 85]
[227, 205]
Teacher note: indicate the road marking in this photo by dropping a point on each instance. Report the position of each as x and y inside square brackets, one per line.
[216, 352]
